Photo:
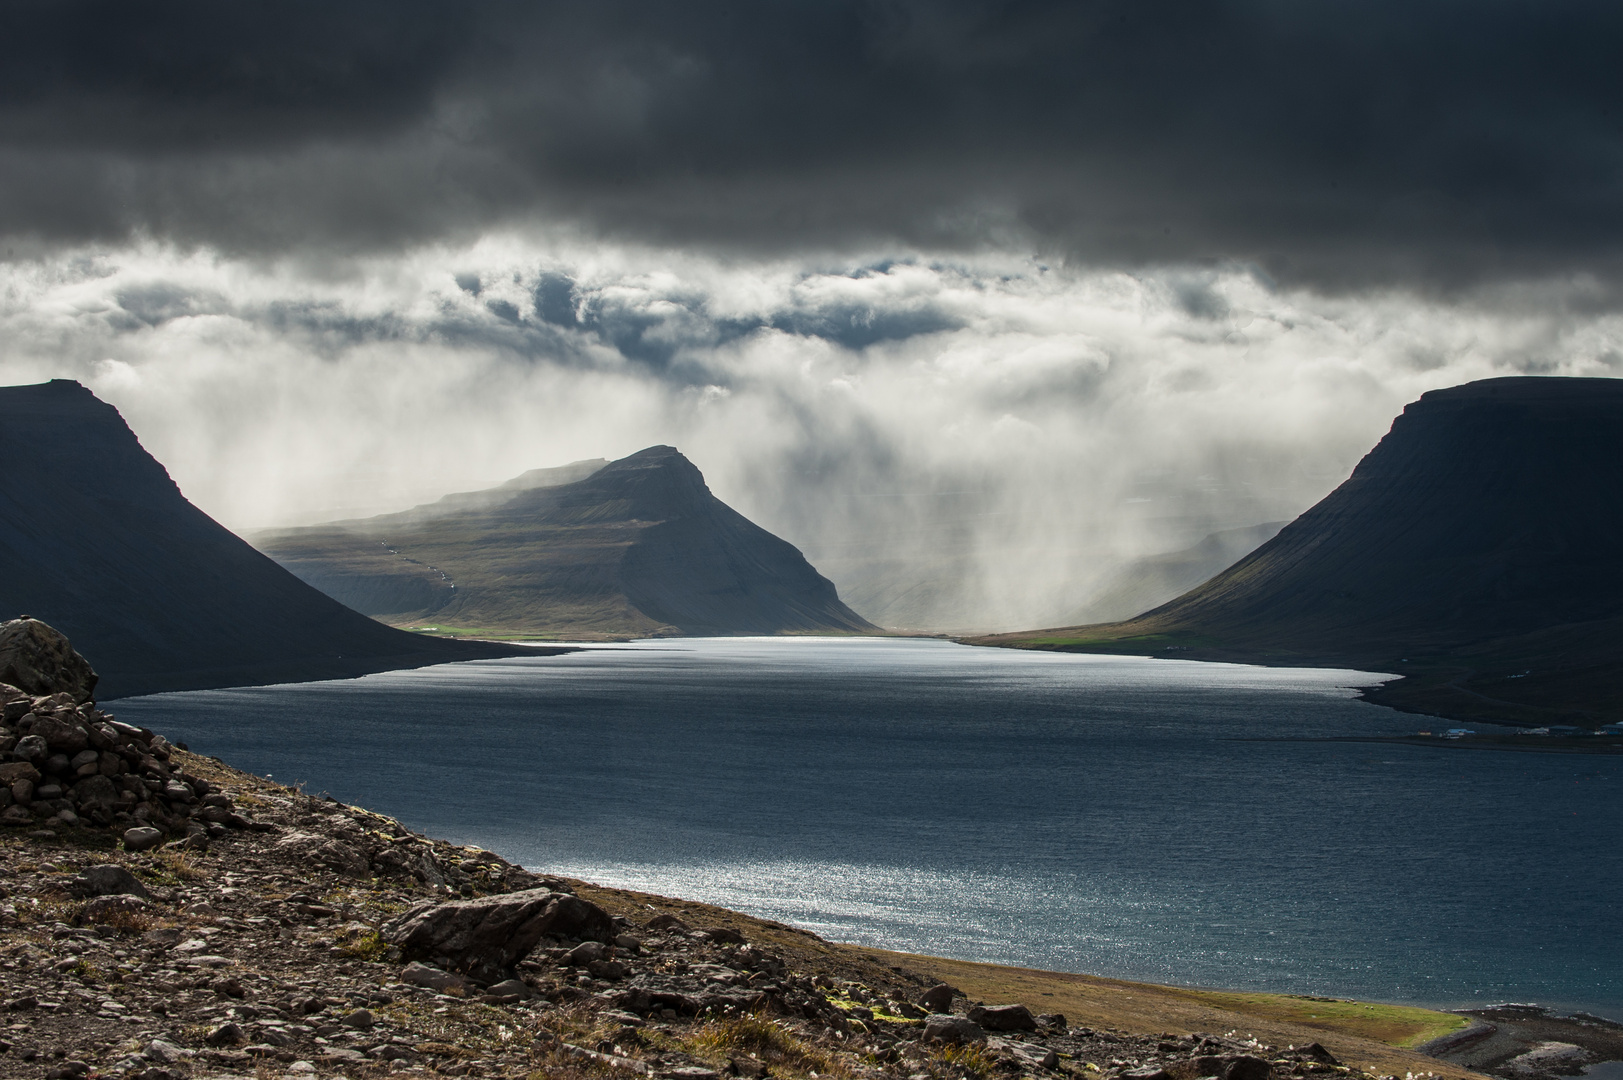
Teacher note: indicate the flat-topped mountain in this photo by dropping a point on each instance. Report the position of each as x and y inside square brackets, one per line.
[636, 547]
[1475, 549]
[96, 539]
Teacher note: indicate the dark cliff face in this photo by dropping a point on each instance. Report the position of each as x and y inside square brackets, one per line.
[1477, 550]
[96, 539]
[639, 547]
[1490, 509]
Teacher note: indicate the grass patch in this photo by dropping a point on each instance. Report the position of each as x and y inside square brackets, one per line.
[767, 1040]
[1396, 1025]
[361, 946]
[966, 1056]
[170, 868]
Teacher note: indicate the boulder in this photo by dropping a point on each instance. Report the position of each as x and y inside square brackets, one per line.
[142, 837]
[94, 792]
[1003, 1017]
[486, 936]
[108, 879]
[587, 952]
[1560, 1058]
[18, 770]
[105, 909]
[432, 978]
[952, 1029]
[1315, 1052]
[509, 988]
[1246, 1067]
[64, 735]
[333, 854]
[938, 999]
[37, 659]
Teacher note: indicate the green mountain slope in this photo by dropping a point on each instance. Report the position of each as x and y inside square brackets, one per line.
[639, 547]
[1475, 550]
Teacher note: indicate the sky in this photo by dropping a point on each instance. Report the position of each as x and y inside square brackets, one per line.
[973, 302]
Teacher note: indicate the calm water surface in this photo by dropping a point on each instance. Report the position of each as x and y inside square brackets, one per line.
[1124, 816]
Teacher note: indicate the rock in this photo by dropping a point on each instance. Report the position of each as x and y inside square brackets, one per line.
[166, 1053]
[38, 659]
[226, 1035]
[508, 988]
[361, 1020]
[19, 770]
[333, 854]
[1003, 1017]
[1246, 1067]
[419, 974]
[108, 879]
[16, 815]
[1560, 1058]
[1042, 1057]
[485, 937]
[105, 909]
[341, 1056]
[33, 749]
[952, 1029]
[1315, 1052]
[64, 737]
[938, 999]
[141, 838]
[1148, 1072]
[95, 792]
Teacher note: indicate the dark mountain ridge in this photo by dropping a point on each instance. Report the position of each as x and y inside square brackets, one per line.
[96, 539]
[638, 547]
[1475, 550]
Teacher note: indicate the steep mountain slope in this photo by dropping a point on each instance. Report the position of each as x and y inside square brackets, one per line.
[96, 539]
[638, 547]
[1475, 549]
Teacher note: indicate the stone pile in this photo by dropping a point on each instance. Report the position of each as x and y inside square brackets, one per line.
[64, 761]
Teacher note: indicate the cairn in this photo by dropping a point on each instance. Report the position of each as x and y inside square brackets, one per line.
[63, 761]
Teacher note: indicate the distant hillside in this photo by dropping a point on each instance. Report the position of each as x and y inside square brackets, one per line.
[637, 547]
[96, 539]
[1155, 579]
[1475, 550]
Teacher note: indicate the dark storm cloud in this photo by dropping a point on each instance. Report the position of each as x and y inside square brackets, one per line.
[1327, 141]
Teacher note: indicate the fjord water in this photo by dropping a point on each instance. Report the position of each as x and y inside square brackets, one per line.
[1179, 822]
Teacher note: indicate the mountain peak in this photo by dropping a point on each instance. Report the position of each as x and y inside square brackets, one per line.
[639, 547]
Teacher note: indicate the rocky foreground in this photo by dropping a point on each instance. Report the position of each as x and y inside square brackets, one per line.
[163, 916]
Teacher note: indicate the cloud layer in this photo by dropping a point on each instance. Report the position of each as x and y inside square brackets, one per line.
[957, 441]
[1332, 144]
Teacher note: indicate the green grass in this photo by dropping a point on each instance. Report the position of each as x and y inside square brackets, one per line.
[1395, 1025]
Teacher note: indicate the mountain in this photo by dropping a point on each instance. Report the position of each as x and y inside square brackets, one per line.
[637, 547]
[96, 539]
[1475, 550]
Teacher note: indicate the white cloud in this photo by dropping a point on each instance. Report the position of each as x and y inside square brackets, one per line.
[963, 442]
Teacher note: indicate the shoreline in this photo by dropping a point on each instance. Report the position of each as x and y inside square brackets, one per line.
[210, 967]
